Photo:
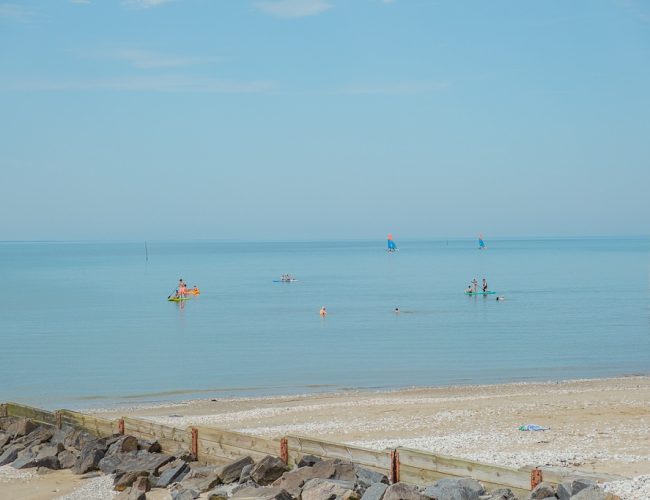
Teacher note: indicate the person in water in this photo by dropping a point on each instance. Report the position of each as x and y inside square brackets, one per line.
[485, 285]
[397, 310]
[323, 312]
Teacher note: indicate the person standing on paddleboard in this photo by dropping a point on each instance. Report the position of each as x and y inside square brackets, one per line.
[474, 285]
[181, 288]
[485, 285]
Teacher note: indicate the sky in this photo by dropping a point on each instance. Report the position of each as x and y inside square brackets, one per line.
[323, 119]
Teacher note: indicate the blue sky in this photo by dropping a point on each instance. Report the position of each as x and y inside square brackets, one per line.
[323, 119]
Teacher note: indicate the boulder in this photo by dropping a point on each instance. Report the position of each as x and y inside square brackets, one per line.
[39, 435]
[232, 472]
[201, 479]
[150, 446]
[268, 470]
[366, 477]
[567, 489]
[78, 439]
[182, 494]
[593, 492]
[5, 439]
[455, 489]
[293, 480]
[67, 458]
[375, 491]
[141, 460]
[21, 427]
[108, 464]
[170, 473]
[541, 491]
[308, 461]
[318, 489]
[335, 469]
[222, 492]
[50, 450]
[242, 486]
[60, 435]
[88, 460]
[245, 475]
[10, 453]
[27, 461]
[124, 480]
[141, 484]
[122, 444]
[401, 491]
[502, 494]
[49, 462]
[263, 493]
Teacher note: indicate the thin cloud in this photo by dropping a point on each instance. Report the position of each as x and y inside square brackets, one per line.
[144, 4]
[290, 9]
[15, 12]
[419, 87]
[144, 59]
[170, 83]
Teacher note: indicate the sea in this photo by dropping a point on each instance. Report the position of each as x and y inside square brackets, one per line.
[88, 324]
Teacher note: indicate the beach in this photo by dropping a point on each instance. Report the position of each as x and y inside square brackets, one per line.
[597, 425]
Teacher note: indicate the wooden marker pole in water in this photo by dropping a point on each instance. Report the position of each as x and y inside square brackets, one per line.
[146, 251]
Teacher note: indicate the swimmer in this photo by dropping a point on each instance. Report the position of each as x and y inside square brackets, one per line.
[323, 312]
[469, 289]
[397, 310]
[501, 297]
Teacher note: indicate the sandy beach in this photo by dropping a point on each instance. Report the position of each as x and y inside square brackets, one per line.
[593, 425]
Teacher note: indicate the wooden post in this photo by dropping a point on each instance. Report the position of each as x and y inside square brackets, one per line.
[195, 443]
[58, 418]
[394, 466]
[284, 450]
[120, 426]
[535, 477]
[3, 410]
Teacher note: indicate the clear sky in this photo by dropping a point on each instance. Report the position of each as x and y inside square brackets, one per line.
[323, 119]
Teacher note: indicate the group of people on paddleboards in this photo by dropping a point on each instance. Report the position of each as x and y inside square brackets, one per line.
[182, 290]
[473, 286]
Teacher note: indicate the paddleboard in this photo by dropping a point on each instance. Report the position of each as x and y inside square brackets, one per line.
[178, 299]
[284, 281]
[480, 293]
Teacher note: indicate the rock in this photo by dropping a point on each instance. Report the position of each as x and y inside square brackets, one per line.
[67, 458]
[88, 460]
[141, 484]
[135, 494]
[268, 470]
[150, 446]
[184, 494]
[49, 462]
[293, 480]
[170, 473]
[201, 479]
[50, 450]
[366, 477]
[263, 493]
[502, 494]
[245, 475]
[78, 439]
[455, 489]
[541, 491]
[334, 469]
[108, 464]
[308, 461]
[375, 491]
[124, 480]
[141, 460]
[27, 461]
[401, 491]
[319, 489]
[122, 444]
[21, 427]
[5, 439]
[222, 492]
[11, 453]
[232, 472]
[242, 486]
[61, 434]
[39, 435]
[593, 492]
[567, 489]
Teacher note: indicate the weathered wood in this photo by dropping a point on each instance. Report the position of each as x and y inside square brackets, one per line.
[97, 426]
[556, 475]
[301, 445]
[236, 444]
[3, 410]
[421, 467]
[171, 439]
[36, 414]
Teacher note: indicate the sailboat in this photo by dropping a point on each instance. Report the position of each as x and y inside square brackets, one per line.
[392, 247]
[481, 243]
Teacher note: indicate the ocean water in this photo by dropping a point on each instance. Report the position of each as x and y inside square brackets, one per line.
[88, 324]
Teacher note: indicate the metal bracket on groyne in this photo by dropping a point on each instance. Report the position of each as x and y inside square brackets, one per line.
[212, 445]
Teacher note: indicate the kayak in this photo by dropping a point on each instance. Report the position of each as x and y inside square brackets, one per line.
[178, 299]
[480, 293]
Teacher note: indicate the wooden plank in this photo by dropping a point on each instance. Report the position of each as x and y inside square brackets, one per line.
[450, 466]
[171, 439]
[214, 451]
[249, 445]
[301, 445]
[3, 410]
[556, 475]
[36, 414]
[97, 426]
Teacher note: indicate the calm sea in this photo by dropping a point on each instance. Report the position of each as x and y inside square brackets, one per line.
[88, 324]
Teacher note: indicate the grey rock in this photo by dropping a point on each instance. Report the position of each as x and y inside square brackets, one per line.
[541, 491]
[67, 458]
[401, 491]
[49, 462]
[25, 462]
[308, 461]
[141, 484]
[61, 434]
[141, 460]
[21, 427]
[124, 480]
[366, 477]
[268, 470]
[78, 439]
[319, 489]
[11, 453]
[263, 493]
[5, 439]
[185, 494]
[567, 489]
[170, 473]
[123, 444]
[135, 494]
[593, 492]
[293, 480]
[455, 489]
[245, 475]
[222, 492]
[150, 446]
[201, 479]
[502, 494]
[39, 435]
[108, 464]
[88, 460]
[375, 492]
[335, 469]
[50, 450]
[242, 486]
[232, 472]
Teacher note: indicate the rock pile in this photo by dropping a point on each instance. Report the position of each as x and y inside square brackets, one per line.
[137, 466]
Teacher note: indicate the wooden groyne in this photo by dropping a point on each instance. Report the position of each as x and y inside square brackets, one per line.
[213, 446]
